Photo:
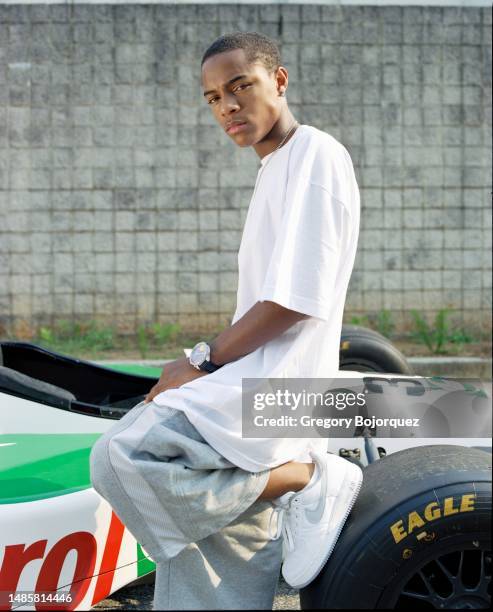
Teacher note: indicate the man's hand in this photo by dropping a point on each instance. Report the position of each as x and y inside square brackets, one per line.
[174, 374]
[263, 322]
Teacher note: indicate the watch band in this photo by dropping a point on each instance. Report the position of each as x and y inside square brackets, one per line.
[208, 366]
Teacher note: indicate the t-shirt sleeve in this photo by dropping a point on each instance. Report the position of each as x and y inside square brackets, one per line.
[302, 271]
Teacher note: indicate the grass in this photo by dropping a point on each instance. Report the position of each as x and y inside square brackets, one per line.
[94, 341]
[385, 324]
[91, 340]
[382, 322]
[156, 335]
[438, 336]
[73, 337]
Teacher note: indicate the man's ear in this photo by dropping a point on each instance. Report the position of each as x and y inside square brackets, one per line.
[281, 77]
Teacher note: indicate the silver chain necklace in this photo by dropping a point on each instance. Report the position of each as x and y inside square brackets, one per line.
[288, 133]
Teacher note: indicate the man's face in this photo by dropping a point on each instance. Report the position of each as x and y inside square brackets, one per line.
[243, 97]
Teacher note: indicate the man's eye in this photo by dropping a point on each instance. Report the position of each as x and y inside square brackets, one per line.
[237, 88]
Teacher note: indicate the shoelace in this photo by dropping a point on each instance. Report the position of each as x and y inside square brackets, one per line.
[283, 527]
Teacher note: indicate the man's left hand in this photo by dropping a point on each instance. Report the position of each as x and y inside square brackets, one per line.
[174, 374]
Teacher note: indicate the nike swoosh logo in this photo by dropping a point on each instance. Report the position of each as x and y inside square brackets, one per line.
[314, 515]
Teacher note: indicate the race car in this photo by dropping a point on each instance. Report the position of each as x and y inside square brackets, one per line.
[418, 535]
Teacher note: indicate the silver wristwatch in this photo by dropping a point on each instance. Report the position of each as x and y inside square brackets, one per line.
[200, 358]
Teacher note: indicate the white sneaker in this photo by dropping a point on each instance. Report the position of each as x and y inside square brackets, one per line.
[311, 520]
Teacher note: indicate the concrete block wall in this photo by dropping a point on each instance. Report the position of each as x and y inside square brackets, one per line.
[121, 200]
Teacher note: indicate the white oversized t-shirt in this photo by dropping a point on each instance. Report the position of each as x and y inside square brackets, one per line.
[297, 249]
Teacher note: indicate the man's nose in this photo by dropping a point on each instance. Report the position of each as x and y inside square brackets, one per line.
[229, 105]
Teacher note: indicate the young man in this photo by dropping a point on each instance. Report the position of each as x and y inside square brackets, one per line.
[197, 495]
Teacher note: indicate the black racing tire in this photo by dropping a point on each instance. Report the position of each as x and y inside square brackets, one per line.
[420, 510]
[365, 350]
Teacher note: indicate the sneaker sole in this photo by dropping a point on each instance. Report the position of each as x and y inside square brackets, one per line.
[356, 480]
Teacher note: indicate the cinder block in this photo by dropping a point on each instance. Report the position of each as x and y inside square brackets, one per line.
[102, 262]
[146, 242]
[229, 219]
[208, 219]
[103, 242]
[41, 284]
[227, 301]
[145, 283]
[125, 262]
[187, 241]
[187, 262]
[208, 241]
[166, 282]
[168, 303]
[187, 303]
[187, 282]
[105, 283]
[40, 242]
[208, 282]
[146, 262]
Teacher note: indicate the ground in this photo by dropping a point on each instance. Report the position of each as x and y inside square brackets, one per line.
[140, 598]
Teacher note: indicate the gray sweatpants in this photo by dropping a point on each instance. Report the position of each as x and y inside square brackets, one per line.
[195, 513]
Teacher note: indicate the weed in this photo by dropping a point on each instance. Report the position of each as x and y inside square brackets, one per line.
[165, 332]
[440, 334]
[433, 337]
[69, 337]
[384, 323]
[98, 339]
[142, 340]
[360, 320]
[461, 336]
[67, 329]
[45, 334]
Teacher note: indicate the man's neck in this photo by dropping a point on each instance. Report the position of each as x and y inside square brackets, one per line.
[273, 139]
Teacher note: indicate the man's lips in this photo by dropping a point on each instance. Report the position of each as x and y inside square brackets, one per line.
[235, 126]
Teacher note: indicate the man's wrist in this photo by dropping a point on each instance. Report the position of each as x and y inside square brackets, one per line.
[215, 355]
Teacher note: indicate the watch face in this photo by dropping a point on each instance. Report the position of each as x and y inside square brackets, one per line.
[199, 353]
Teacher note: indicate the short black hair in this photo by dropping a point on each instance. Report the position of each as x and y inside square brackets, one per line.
[257, 47]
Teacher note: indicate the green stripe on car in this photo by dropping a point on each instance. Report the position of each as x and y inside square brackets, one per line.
[39, 466]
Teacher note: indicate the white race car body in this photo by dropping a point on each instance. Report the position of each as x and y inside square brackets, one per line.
[56, 533]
